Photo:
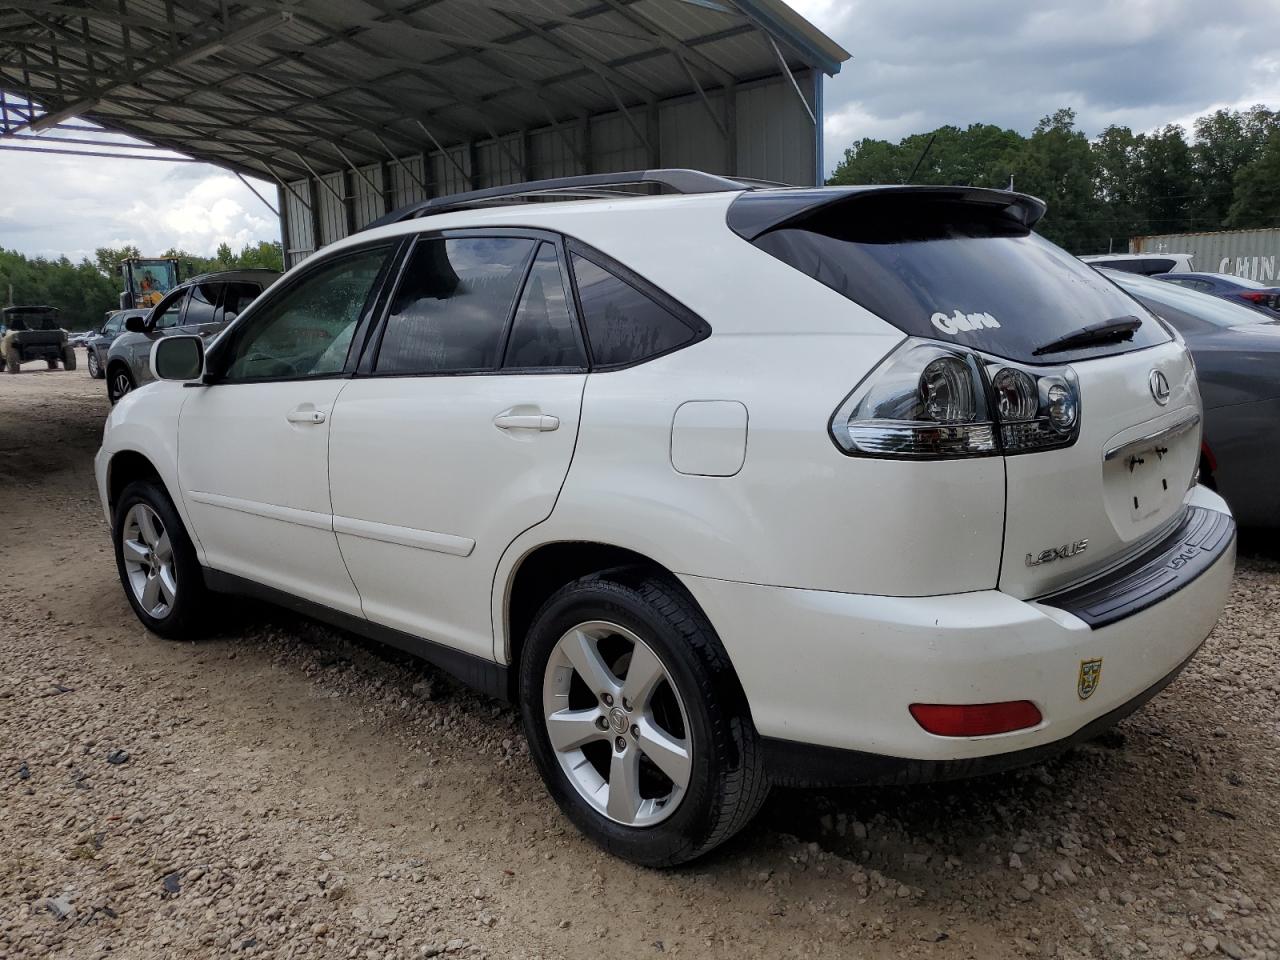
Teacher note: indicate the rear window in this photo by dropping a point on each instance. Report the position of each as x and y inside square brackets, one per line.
[957, 272]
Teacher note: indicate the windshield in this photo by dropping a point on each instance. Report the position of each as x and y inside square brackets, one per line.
[1164, 298]
[959, 272]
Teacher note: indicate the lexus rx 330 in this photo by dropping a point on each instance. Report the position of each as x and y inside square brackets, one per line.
[729, 488]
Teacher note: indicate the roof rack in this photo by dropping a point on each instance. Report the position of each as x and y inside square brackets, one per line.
[581, 187]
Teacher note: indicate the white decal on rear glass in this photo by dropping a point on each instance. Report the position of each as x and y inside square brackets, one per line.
[960, 322]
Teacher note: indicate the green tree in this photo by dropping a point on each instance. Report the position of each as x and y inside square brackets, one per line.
[1256, 197]
[107, 259]
[1056, 163]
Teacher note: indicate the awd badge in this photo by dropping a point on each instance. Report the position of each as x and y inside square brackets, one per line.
[1090, 674]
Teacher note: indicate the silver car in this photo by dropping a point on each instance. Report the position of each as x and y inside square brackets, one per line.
[203, 305]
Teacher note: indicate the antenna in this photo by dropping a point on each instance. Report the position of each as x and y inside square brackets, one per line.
[923, 153]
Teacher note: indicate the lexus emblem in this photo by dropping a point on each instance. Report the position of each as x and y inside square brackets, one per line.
[1159, 385]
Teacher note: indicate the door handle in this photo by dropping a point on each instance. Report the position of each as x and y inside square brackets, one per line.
[306, 414]
[526, 421]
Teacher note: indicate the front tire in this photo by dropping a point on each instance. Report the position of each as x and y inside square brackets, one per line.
[95, 368]
[157, 562]
[119, 382]
[636, 720]
[69, 358]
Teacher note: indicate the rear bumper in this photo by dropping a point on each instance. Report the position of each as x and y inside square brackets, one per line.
[832, 670]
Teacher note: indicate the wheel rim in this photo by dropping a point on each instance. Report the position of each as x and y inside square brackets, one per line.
[93, 363]
[148, 560]
[122, 383]
[617, 724]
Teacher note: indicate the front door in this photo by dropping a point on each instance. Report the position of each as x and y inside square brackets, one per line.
[460, 436]
[202, 305]
[253, 445]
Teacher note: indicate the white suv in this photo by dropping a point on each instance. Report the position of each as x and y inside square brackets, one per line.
[737, 487]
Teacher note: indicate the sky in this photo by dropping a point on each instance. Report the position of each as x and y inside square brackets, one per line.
[916, 64]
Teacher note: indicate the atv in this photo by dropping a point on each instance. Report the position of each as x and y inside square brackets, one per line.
[32, 333]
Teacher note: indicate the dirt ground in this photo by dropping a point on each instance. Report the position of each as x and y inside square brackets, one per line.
[283, 790]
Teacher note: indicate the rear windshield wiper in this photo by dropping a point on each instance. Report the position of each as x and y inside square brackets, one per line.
[1108, 331]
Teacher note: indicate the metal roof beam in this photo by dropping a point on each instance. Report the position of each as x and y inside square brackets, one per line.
[207, 45]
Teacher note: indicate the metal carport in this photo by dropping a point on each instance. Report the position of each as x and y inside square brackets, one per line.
[355, 108]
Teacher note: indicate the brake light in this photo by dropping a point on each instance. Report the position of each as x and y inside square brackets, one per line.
[1256, 297]
[930, 400]
[975, 719]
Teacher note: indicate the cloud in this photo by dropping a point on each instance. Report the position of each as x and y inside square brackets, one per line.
[918, 64]
[58, 205]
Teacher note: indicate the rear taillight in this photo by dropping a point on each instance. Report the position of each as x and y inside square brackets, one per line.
[930, 400]
[1255, 297]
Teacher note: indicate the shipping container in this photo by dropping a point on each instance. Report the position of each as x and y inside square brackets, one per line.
[1253, 254]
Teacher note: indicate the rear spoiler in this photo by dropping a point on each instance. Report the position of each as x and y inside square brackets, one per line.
[757, 212]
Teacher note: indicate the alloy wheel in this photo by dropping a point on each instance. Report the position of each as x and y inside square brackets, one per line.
[149, 561]
[92, 361]
[617, 724]
[121, 384]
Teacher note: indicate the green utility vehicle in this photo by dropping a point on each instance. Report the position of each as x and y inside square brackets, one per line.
[33, 333]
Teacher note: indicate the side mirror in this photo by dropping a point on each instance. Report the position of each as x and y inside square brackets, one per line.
[135, 324]
[177, 358]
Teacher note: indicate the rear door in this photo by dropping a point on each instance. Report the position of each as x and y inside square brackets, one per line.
[459, 432]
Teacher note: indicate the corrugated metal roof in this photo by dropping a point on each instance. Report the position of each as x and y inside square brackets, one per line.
[285, 87]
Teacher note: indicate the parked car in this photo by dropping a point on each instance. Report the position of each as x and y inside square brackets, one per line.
[1237, 354]
[101, 339]
[33, 333]
[1144, 263]
[1249, 293]
[744, 486]
[203, 306]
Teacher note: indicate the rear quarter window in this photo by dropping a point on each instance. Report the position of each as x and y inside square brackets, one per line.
[628, 321]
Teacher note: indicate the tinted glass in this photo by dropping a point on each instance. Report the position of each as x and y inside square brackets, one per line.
[623, 324]
[544, 333]
[1187, 309]
[235, 297]
[201, 304]
[306, 331]
[169, 312]
[450, 311]
[957, 272]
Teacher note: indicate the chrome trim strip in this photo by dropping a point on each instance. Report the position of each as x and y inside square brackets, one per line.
[305, 518]
[405, 536]
[1177, 429]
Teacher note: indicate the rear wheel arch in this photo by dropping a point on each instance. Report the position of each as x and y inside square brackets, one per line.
[548, 567]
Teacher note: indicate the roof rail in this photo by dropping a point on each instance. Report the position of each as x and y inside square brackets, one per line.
[588, 186]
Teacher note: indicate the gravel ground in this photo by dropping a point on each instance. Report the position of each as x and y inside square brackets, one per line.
[284, 790]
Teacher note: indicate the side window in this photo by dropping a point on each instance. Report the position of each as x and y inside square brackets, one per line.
[113, 325]
[450, 311]
[235, 297]
[201, 303]
[544, 333]
[624, 325]
[307, 330]
[169, 312]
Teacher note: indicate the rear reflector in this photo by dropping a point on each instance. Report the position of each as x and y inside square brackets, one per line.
[975, 719]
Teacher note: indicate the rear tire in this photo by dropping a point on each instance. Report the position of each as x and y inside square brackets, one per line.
[51, 364]
[69, 358]
[696, 727]
[157, 562]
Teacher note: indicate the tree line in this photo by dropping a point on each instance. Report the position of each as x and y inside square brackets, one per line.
[84, 291]
[1104, 190]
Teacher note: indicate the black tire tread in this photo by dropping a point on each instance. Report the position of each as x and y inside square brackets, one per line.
[746, 784]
